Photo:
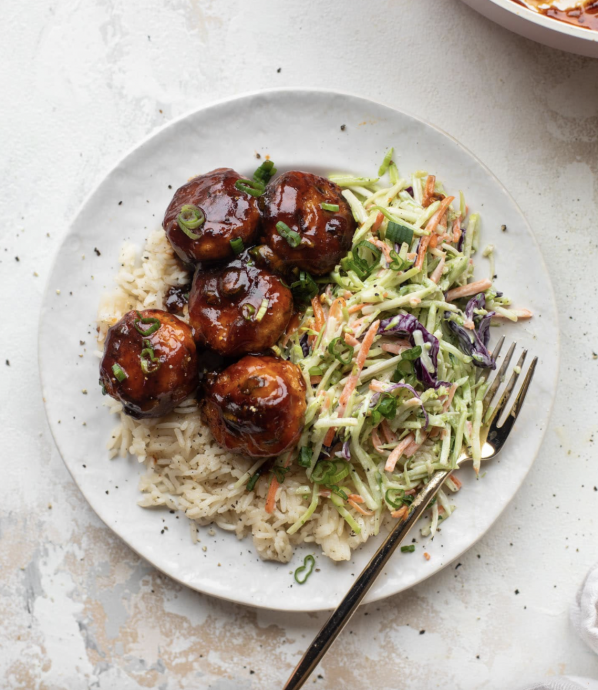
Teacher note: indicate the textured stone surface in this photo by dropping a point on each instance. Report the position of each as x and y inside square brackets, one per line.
[84, 81]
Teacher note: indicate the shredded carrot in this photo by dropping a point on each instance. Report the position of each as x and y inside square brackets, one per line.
[356, 497]
[456, 481]
[421, 251]
[433, 241]
[456, 230]
[359, 509]
[437, 217]
[394, 457]
[376, 442]
[428, 196]
[414, 447]
[519, 313]
[378, 222]
[337, 308]
[355, 308]
[315, 379]
[385, 249]
[449, 399]
[437, 272]
[351, 340]
[389, 434]
[271, 497]
[359, 362]
[394, 348]
[469, 289]
[332, 431]
[427, 556]
[402, 513]
[318, 313]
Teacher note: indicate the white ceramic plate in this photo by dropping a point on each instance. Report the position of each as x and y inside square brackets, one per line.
[538, 27]
[299, 129]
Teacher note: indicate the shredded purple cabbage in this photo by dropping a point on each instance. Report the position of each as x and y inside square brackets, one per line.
[405, 325]
[409, 190]
[393, 386]
[474, 342]
[345, 452]
[304, 345]
[461, 240]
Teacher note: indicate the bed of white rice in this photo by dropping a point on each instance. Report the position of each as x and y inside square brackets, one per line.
[185, 469]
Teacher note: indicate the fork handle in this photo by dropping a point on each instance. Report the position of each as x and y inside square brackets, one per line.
[340, 617]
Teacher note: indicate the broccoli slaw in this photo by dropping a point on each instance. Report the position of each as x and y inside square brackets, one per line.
[391, 347]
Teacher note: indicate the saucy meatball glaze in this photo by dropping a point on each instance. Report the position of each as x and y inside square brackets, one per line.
[256, 406]
[238, 308]
[149, 363]
[295, 199]
[229, 214]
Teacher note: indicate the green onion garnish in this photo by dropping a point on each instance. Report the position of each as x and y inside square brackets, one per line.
[304, 289]
[332, 348]
[250, 187]
[337, 490]
[248, 311]
[262, 310]
[330, 471]
[253, 481]
[119, 372]
[330, 207]
[386, 162]
[397, 264]
[237, 245]
[264, 173]
[280, 472]
[305, 570]
[148, 359]
[386, 407]
[398, 233]
[395, 498]
[190, 218]
[292, 237]
[305, 456]
[316, 371]
[408, 549]
[155, 324]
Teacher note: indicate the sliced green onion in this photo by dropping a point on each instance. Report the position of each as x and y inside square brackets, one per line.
[397, 263]
[119, 372]
[264, 173]
[337, 490]
[316, 371]
[155, 324]
[148, 359]
[368, 245]
[190, 218]
[248, 310]
[341, 470]
[386, 162]
[262, 310]
[304, 289]
[338, 355]
[280, 472]
[237, 245]
[330, 207]
[305, 456]
[253, 481]
[408, 549]
[398, 233]
[250, 187]
[395, 498]
[322, 471]
[292, 237]
[305, 570]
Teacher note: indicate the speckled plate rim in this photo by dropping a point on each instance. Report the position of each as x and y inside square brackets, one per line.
[248, 595]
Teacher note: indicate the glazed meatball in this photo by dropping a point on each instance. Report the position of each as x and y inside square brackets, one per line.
[239, 308]
[295, 198]
[229, 214]
[256, 406]
[149, 363]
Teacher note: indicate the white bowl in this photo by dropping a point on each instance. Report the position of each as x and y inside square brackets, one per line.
[530, 24]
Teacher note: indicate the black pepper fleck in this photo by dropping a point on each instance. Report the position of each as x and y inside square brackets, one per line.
[343, 128]
[97, 251]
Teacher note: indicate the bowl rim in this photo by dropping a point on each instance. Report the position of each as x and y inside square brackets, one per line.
[545, 22]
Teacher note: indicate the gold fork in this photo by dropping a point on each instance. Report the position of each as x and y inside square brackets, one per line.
[495, 439]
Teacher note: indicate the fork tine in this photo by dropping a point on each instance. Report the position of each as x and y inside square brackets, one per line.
[485, 372]
[498, 379]
[504, 398]
[501, 433]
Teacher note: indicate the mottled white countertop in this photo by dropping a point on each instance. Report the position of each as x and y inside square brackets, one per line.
[84, 81]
